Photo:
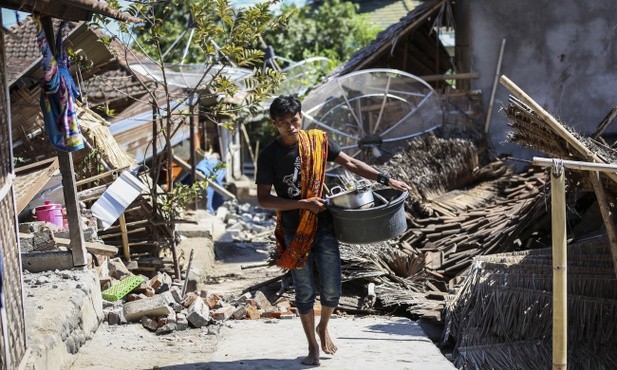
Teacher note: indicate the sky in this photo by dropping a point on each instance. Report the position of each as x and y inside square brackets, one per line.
[9, 17]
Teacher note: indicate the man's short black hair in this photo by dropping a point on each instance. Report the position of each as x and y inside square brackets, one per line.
[284, 105]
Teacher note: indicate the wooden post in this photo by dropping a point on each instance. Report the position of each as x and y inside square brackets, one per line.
[606, 215]
[560, 262]
[78, 245]
[125, 237]
[193, 121]
[560, 256]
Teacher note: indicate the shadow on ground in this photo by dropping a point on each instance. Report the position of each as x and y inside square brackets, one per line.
[254, 364]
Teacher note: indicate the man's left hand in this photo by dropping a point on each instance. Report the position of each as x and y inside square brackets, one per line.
[399, 185]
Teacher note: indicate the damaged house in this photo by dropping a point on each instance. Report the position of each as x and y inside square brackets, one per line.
[13, 344]
[467, 202]
[476, 252]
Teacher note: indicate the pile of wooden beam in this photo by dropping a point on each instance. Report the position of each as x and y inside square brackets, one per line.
[457, 210]
[501, 316]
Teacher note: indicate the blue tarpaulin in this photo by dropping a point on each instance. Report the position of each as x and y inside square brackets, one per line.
[208, 167]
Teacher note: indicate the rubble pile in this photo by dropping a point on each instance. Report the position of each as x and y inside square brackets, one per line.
[160, 305]
[246, 223]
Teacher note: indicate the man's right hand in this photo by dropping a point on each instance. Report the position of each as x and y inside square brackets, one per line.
[314, 204]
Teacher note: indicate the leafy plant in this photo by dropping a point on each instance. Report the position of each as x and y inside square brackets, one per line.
[334, 30]
[218, 37]
[221, 37]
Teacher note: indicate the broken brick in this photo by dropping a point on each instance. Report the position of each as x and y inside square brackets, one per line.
[213, 301]
[222, 313]
[253, 313]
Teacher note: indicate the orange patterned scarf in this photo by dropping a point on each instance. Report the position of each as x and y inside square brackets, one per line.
[313, 148]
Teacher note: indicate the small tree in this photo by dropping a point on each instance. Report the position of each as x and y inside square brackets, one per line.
[222, 37]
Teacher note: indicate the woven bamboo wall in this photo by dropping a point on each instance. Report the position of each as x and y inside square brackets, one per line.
[12, 286]
[9, 244]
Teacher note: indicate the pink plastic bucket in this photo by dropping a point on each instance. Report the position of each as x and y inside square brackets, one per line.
[51, 213]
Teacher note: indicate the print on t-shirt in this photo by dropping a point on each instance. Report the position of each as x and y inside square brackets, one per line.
[293, 180]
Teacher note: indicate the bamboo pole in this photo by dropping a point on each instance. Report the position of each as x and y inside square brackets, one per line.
[576, 165]
[554, 124]
[605, 210]
[454, 76]
[560, 261]
[125, 237]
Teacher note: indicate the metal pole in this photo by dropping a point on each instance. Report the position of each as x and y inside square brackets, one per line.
[560, 262]
[495, 82]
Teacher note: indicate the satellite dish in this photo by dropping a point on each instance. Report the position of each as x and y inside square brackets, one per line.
[189, 76]
[299, 76]
[371, 113]
[302, 75]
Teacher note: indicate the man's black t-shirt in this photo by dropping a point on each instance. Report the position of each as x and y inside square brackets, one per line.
[279, 165]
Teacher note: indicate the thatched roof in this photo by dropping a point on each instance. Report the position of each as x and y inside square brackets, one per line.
[501, 316]
[72, 10]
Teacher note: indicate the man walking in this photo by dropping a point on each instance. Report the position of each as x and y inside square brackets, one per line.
[294, 163]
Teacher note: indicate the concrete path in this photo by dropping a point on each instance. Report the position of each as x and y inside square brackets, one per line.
[364, 343]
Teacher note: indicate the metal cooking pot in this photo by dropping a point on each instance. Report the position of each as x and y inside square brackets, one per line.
[359, 197]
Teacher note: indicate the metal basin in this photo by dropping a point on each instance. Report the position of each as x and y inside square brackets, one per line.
[371, 225]
[360, 197]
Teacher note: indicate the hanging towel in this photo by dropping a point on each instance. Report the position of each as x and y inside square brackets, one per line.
[58, 95]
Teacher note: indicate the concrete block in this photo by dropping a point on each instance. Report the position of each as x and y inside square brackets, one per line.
[166, 329]
[261, 300]
[176, 293]
[198, 314]
[149, 323]
[43, 240]
[117, 269]
[45, 261]
[239, 313]
[132, 266]
[151, 306]
[181, 322]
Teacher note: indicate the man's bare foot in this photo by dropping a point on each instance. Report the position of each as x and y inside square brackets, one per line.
[313, 356]
[326, 342]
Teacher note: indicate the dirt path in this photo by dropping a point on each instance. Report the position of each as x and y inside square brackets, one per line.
[133, 347]
[365, 342]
